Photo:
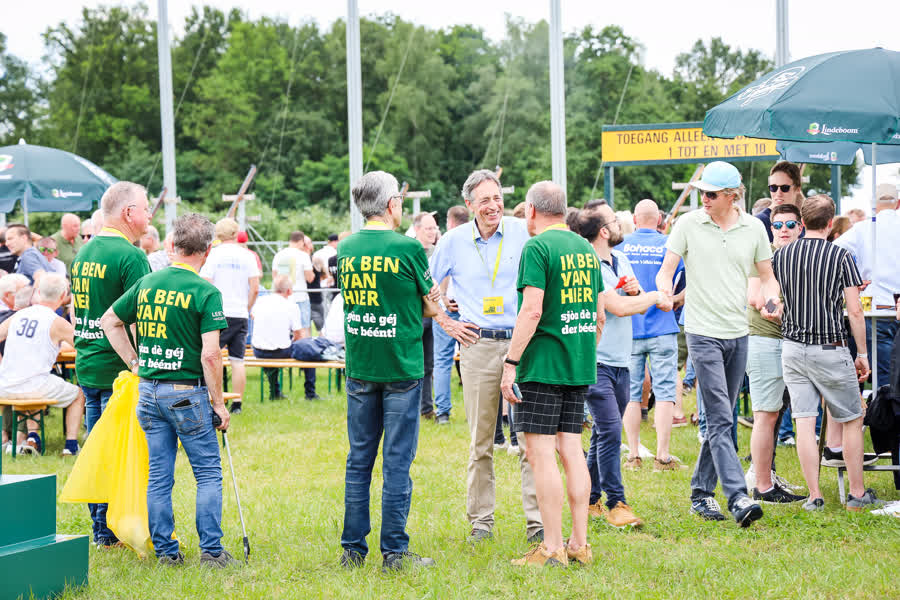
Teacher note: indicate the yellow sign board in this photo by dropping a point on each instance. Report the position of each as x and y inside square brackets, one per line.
[679, 144]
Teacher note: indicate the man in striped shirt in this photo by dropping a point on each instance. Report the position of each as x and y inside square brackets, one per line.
[815, 277]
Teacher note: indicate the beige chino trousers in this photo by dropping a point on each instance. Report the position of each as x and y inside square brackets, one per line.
[481, 366]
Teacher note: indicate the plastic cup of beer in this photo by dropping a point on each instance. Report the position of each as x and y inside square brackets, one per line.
[866, 302]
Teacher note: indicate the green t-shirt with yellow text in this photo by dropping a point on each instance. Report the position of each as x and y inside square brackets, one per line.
[562, 350]
[172, 308]
[101, 272]
[383, 276]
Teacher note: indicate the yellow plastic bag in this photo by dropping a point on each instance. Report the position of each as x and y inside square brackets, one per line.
[113, 466]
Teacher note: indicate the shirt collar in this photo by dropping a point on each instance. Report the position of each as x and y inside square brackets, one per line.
[646, 229]
[476, 234]
[741, 222]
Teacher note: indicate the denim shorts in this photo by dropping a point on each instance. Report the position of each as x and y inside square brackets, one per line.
[305, 313]
[662, 351]
[765, 372]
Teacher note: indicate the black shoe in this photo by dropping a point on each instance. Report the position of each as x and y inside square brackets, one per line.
[746, 511]
[175, 560]
[352, 559]
[478, 535]
[537, 538]
[645, 413]
[219, 561]
[776, 495]
[279, 396]
[394, 561]
[707, 509]
[442, 419]
[746, 421]
[830, 458]
[314, 397]
[236, 408]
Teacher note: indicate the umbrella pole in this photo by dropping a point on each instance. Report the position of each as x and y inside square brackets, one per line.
[874, 340]
[25, 204]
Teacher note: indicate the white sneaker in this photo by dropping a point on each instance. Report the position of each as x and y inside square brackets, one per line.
[514, 450]
[7, 447]
[700, 438]
[890, 509]
[501, 447]
[750, 478]
[784, 484]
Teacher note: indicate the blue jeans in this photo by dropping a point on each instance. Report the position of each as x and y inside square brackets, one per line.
[165, 421]
[690, 376]
[444, 351]
[886, 330]
[374, 409]
[95, 400]
[305, 313]
[720, 366]
[607, 400]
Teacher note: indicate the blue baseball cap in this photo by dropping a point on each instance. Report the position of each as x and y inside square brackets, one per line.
[717, 176]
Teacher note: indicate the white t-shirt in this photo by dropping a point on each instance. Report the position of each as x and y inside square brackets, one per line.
[230, 268]
[333, 328]
[293, 262]
[275, 318]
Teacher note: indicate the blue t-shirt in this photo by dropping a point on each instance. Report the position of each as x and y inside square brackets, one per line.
[31, 261]
[614, 347]
[645, 249]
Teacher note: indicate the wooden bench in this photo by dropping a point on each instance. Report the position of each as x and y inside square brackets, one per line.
[27, 406]
[281, 364]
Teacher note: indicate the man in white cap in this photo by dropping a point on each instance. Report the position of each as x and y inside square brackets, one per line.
[720, 245]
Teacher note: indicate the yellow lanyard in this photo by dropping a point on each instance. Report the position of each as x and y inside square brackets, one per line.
[185, 266]
[117, 232]
[557, 226]
[376, 223]
[499, 252]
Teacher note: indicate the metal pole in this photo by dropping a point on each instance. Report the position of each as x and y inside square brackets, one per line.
[609, 185]
[558, 98]
[354, 107]
[836, 187]
[166, 112]
[782, 42]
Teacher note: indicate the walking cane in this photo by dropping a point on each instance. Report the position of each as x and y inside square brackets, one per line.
[216, 422]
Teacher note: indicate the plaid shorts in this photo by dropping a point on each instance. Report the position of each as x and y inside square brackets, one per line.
[550, 409]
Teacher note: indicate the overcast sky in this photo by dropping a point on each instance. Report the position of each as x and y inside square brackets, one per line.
[665, 28]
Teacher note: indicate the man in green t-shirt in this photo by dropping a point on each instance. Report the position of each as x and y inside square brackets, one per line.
[178, 316]
[68, 238]
[553, 349]
[101, 272]
[386, 284]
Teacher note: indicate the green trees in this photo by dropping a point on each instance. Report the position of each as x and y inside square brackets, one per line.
[436, 104]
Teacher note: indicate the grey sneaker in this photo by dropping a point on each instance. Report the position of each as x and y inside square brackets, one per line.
[174, 560]
[867, 500]
[814, 505]
[219, 561]
[395, 561]
[746, 511]
[352, 559]
[478, 535]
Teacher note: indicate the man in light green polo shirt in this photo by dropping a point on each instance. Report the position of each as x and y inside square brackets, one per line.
[68, 238]
[720, 245]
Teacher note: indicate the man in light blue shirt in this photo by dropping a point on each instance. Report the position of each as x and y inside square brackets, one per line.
[482, 260]
[608, 398]
[882, 269]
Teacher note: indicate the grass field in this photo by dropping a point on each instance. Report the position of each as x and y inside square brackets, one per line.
[289, 457]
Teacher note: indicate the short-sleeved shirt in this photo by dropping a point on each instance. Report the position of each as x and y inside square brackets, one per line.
[486, 299]
[172, 309]
[101, 272]
[383, 276]
[645, 249]
[717, 264]
[67, 250]
[275, 319]
[759, 325]
[563, 348]
[614, 347]
[230, 268]
[32, 261]
[812, 274]
[294, 263]
[765, 216]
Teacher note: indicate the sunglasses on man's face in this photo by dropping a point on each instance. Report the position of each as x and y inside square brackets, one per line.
[711, 195]
[45, 249]
[789, 224]
[784, 188]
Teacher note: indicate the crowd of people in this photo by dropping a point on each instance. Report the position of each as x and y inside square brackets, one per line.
[562, 319]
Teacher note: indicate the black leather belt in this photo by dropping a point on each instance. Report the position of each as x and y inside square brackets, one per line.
[834, 345]
[495, 334]
[195, 382]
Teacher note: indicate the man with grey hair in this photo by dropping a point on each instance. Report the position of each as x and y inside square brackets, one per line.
[385, 283]
[426, 230]
[101, 272]
[551, 356]
[178, 316]
[482, 261]
[68, 238]
[150, 240]
[33, 337]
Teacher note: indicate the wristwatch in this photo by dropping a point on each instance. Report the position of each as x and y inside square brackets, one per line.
[134, 363]
[510, 361]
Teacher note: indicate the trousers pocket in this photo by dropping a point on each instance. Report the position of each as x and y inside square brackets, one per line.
[188, 419]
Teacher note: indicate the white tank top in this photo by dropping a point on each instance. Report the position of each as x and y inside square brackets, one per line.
[30, 351]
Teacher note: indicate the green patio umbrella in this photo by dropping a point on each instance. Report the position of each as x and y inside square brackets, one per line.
[49, 180]
[835, 153]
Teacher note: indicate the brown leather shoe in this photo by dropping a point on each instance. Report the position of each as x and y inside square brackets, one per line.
[583, 556]
[671, 465]
[597, 510]
[633, 463]
[539, 557]
[428, 415]
[621, 516]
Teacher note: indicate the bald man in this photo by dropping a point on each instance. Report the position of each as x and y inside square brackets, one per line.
[68, 238]
[655, 338]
